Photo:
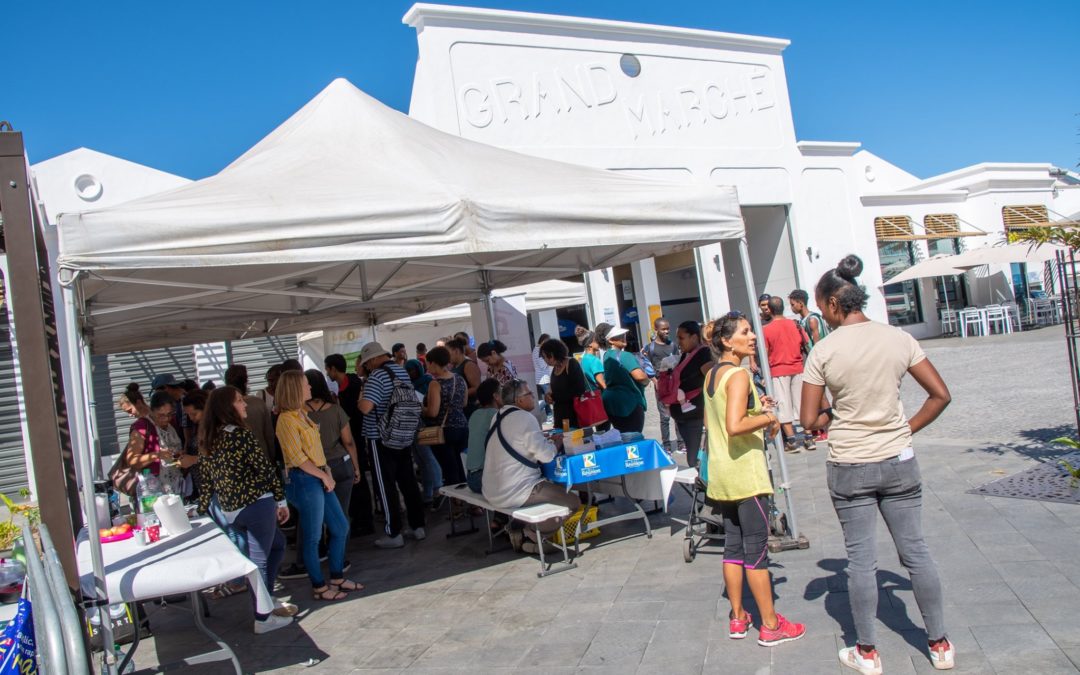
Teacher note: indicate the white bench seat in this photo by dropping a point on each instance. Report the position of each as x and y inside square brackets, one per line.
[532, 515]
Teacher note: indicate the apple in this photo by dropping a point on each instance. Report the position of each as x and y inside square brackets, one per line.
[124, 528]
[105, 532]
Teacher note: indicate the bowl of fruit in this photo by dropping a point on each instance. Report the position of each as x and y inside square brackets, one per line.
[118, 533]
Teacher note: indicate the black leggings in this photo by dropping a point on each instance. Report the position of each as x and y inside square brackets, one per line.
[635, 421]
[746, 532]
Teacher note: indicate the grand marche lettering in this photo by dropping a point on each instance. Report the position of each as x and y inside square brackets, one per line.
[746, 90]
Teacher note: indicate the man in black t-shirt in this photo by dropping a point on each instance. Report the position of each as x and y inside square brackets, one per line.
[349, 389]
[656, 351]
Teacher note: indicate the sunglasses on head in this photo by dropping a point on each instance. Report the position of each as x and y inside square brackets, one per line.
[734, 314]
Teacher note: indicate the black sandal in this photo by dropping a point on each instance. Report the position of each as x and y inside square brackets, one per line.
[346, 585]
[329, 593]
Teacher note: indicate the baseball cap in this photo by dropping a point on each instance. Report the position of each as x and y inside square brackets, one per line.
[370, 351]
[163, 380]
[763, 297]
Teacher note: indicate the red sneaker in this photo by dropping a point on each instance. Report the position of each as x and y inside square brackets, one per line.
[785, 631]
[737, 628]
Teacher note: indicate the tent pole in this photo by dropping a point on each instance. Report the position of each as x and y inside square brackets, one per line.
[777, 443]
[489, 314]
[74, 353]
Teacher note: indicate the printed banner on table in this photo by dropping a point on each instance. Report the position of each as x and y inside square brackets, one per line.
[611, 462]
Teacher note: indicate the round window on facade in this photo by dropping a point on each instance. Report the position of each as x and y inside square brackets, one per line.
[88, 187]
[630, 65]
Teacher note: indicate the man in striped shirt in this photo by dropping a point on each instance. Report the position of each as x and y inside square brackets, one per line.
[393, 467]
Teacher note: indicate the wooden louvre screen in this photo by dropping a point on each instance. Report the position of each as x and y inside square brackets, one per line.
[893, 228]
[941, 225]
[1019, 217]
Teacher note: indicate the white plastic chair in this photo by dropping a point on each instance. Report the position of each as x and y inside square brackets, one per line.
[1012, 311]
[997, 316]
[949, 323]
[969, 318]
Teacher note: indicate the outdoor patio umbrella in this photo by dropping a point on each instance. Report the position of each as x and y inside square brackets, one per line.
[938, 266]
[1006, 254]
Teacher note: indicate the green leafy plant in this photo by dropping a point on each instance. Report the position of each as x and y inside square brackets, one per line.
[10, 530]
[1073, 470]
[1065, 236]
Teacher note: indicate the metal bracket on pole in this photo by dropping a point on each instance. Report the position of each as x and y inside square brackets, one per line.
[793, 538]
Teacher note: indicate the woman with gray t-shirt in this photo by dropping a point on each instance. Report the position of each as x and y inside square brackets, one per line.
[871, 465]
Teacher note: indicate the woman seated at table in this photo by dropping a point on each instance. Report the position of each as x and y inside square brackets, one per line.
[516, 447]
[567, 382]
[235, 471]
[310, 487]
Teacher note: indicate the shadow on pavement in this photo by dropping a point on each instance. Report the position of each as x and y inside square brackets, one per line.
[891, 611]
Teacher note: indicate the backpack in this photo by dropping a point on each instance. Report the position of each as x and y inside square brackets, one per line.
[400, 421]
[667, 385]
[823, 328]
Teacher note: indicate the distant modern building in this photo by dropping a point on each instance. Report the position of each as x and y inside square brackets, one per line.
[692, 105]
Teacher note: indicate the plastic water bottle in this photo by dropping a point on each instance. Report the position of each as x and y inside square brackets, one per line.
[147, 492]
[120, 654]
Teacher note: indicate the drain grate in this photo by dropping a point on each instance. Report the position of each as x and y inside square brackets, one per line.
[1047, 482]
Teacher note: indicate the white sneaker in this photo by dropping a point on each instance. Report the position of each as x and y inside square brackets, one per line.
[272, 622]
[850, 657]
[390, 542]
[943, 656]
[418, 534]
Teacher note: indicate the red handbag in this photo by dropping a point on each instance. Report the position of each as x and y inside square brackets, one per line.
[589, 409]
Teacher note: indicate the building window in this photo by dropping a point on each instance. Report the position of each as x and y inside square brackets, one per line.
[951, 291]
[941, 225]
[893, 228]
[902, 301]
[1021, 217]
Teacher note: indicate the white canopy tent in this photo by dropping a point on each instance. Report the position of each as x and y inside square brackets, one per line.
[543, 295]
[348, 213]
[351, 212]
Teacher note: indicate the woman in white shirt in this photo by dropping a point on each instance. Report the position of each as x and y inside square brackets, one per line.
[871, 465]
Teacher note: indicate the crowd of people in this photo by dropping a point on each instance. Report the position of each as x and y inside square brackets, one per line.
[301, 450]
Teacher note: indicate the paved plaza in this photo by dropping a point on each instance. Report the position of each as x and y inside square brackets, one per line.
[1010, 568]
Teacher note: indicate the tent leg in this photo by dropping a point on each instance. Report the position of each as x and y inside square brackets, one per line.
[489, 314]
[795, 541]
[74, 354]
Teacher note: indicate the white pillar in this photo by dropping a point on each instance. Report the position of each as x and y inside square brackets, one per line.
[646, 296]
[712, 281]
[603, 298]
[544, 321]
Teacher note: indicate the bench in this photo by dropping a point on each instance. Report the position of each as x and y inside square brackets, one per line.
[532, 515]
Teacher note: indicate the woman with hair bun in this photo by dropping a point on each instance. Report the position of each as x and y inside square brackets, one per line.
[491, 353]
[871, 464]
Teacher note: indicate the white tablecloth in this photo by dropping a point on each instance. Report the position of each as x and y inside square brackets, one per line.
[198, 559]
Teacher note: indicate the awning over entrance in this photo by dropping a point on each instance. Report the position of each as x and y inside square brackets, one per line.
[351, 212]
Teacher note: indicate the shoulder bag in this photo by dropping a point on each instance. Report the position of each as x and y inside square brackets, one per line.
[436, 435]
[589, 407]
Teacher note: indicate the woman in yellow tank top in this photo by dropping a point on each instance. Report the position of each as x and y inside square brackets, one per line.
[738, 479]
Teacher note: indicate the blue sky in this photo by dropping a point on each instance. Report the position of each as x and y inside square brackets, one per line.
[187, 87]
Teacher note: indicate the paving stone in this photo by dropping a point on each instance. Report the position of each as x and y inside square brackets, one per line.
[998, 639]
[621, 644]
[1044, 662]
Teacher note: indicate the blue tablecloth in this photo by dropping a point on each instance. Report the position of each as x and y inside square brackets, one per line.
[609, 462]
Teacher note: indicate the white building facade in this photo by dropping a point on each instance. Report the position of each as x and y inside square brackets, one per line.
[691, 105]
